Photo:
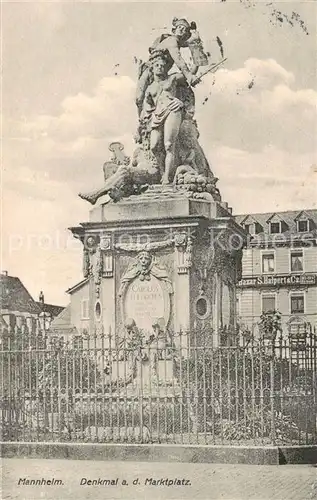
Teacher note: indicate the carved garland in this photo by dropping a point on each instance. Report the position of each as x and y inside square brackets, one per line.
[97, 271]
[184, 249]
[141, 247]
[86, 264]
[102, 263]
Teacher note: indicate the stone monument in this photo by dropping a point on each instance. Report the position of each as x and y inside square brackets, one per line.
[162, 251]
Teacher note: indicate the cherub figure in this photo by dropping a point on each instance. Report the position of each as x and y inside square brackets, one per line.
[158, 345]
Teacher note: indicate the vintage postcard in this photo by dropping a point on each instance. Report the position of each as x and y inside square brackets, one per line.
[158, 327]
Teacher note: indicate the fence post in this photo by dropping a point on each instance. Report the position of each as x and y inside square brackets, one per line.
[272, 389]
[314, 373]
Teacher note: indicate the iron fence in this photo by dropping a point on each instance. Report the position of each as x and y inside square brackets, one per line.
[169, 388]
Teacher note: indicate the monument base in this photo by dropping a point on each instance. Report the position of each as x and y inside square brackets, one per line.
[162, 255]
[158, 202]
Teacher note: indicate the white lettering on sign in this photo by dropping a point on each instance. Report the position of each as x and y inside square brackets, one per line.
[278, 280]
[146, 300]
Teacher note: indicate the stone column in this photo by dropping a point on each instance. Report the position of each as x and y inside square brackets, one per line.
[108, 291]
[182, 287]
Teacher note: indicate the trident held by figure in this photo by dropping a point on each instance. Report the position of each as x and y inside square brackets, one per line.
[212, 68]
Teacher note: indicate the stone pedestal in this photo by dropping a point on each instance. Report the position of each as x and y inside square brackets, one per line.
[162, 254]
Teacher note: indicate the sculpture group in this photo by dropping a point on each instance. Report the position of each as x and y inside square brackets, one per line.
[167, 134]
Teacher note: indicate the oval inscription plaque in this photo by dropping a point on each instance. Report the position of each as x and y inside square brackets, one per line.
[146, 300]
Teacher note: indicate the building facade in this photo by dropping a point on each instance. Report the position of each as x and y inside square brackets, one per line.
[279, 268]
[75, 322]
[19, 311]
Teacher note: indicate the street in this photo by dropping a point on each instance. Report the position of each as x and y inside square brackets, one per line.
[34, 479]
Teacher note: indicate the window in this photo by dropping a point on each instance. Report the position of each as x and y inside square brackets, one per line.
[85, 309]
[253, 228]
[302, 226]
[45, 320]
[297, 303]
[297, 261]
[268, 303]
[78, 342]
[98, 310]
[275, 227]
[268, 263]
[250, 228]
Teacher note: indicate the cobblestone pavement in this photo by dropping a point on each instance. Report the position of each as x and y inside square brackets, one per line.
[200, 481]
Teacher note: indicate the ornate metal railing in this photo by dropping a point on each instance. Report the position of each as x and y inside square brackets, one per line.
[167, 389]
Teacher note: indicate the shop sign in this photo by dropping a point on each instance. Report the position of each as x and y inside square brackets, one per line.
[278, 280]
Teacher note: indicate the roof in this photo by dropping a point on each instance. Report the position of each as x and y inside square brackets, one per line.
[77, 286]
[275, 217]
[289, 217]
[15, 297]
[248, 218]
[51, 309]
[63, 321]
[302, 215]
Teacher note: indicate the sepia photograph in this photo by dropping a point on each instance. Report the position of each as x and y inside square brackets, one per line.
[158, 265]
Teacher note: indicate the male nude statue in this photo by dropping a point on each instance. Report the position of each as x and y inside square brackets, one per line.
[162, 114]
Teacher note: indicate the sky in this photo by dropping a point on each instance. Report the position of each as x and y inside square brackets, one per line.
[68, 88]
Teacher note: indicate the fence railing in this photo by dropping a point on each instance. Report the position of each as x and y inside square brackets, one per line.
[169, 388]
